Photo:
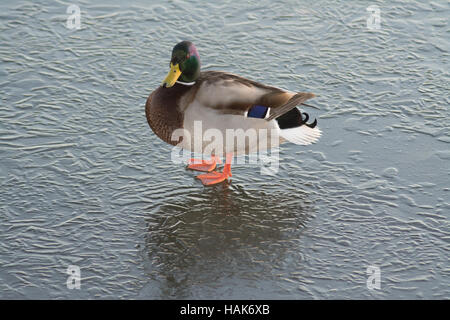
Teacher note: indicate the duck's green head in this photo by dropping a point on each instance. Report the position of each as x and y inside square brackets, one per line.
[184, 65]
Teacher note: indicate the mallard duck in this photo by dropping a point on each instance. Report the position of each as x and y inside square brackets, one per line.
[218, 102]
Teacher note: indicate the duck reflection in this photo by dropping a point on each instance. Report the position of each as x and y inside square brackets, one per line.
[202, 239]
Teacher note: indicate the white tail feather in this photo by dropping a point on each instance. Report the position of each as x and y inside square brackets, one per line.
[302, 135]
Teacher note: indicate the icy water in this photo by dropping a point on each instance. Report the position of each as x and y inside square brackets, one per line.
[84, 181]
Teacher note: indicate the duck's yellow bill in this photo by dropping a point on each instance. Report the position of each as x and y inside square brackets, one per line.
[173, 76]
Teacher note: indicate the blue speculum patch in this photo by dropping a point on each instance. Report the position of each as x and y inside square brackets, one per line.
[257, 112]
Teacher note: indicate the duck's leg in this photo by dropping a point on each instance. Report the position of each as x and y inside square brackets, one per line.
[203, 165]
[217, 177]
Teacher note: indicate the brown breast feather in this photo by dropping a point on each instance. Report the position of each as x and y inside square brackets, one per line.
[163, 111]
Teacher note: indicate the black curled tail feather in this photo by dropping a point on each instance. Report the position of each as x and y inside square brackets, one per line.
[294, 118]
[313, 124]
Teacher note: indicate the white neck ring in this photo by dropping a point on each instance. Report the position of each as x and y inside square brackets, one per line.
[186, 83]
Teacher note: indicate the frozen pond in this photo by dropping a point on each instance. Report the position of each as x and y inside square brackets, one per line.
[84, 181]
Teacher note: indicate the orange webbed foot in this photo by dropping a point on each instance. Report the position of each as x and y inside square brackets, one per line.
[215, 177]
[203, 165]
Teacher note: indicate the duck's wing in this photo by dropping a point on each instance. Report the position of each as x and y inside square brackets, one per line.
[231, 94]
